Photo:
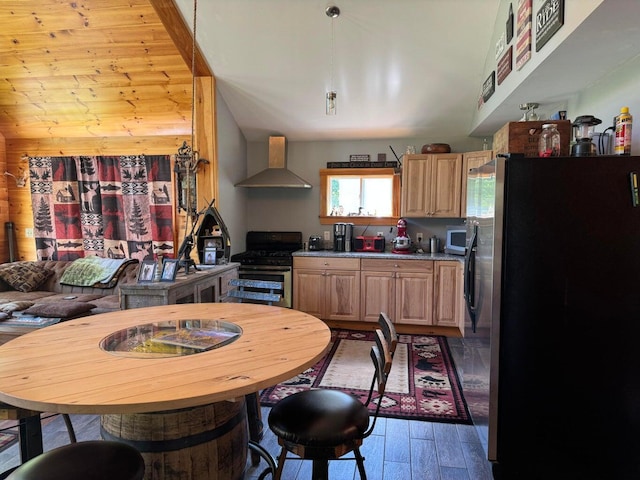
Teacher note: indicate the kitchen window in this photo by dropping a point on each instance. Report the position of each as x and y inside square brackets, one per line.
[362, 196]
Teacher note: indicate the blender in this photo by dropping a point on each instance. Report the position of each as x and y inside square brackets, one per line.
[583, 132]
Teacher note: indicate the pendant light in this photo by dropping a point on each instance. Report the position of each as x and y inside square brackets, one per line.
[332, 12]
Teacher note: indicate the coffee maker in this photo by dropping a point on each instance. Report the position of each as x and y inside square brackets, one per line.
[342, 237]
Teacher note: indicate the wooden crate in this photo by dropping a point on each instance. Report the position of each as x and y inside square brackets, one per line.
[522, 137]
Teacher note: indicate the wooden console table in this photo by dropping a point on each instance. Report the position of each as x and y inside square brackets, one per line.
[199, 286]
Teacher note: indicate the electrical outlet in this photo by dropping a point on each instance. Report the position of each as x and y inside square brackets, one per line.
[419, 237]
[327, 235]
[28, 232]
[380, 234]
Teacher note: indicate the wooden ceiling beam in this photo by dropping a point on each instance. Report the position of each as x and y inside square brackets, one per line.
[181, 35]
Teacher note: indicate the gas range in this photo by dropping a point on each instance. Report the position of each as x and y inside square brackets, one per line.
[269, 248]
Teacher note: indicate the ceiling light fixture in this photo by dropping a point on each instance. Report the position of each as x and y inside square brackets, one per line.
[332, 12]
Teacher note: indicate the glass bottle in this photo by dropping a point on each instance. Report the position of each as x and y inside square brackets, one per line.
[549, 142]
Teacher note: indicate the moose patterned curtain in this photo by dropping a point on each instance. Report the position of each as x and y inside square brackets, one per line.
[109, 206]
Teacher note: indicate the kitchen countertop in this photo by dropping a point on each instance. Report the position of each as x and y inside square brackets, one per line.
[387, 255]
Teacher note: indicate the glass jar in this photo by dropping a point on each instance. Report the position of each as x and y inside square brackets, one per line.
[549, 142]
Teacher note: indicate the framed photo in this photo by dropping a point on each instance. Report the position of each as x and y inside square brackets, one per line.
[169, 270]
[147, 271]
[209, 256]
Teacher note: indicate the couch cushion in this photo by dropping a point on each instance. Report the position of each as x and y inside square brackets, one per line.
[24, 276]
[64, 309]
[95, 272]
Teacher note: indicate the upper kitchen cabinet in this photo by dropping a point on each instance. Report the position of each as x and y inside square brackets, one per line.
[431, 185]
[471, 160]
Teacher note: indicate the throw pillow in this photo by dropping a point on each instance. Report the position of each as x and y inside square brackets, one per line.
[64, 309]
[24, 276]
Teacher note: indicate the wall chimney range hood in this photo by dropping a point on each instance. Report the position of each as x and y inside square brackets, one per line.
[277, 174]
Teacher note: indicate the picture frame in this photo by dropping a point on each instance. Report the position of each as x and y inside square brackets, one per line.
[147, 271]
[209, 256]
[169, 270]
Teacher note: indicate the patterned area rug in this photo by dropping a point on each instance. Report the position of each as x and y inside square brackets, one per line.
[423, 384]
[7, 439]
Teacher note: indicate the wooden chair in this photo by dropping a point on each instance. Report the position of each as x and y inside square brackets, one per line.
[322, 425]
[263, 291]
[389, 331]
[95, 460]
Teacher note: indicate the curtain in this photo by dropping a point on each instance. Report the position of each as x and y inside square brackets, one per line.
[109, 206]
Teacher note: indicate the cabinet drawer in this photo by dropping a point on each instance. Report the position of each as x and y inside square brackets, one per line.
[393, 265]
[326, 263]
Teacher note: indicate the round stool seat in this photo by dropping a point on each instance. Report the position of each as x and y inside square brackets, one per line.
[90, 460]
[319, 418]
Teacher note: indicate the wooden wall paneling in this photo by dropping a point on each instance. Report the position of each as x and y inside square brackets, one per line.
[4, 200]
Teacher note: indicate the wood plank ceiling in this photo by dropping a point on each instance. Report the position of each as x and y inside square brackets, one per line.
[101, 68]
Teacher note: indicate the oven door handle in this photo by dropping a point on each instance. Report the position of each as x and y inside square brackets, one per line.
[263, 268]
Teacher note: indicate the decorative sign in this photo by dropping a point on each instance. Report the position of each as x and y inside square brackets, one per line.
[549, 19]
[523, 39]
[489, 86]
[365, 164]
[505, 65]
[509, 24]
[500, 46]
[359, 158]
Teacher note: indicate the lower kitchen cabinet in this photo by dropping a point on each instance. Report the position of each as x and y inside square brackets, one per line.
[448, 294]
[401, 288]
[416, 293]
[327, 287]
[413, 292]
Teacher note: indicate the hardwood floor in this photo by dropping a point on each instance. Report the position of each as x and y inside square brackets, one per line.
[397, 450]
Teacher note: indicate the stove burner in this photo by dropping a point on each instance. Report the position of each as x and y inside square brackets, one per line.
[269, 248]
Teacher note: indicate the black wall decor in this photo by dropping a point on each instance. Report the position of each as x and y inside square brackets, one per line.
[549, 19]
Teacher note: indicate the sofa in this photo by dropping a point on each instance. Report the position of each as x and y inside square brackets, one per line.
[35, 288]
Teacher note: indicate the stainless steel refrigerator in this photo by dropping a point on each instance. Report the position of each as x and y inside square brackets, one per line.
[552, 342]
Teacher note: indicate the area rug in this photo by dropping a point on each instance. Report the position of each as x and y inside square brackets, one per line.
[7, 439]
[423, 384]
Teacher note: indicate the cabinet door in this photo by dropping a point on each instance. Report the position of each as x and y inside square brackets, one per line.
[416, 174]
[448, 294]
[309, 291]
[471, 160]
[446, 178]
[414, 298]
[378, 295]
[342, 295]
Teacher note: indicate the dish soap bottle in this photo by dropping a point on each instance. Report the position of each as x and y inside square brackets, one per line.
[622, 144]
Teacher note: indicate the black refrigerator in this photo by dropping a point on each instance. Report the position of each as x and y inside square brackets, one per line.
[552, 338]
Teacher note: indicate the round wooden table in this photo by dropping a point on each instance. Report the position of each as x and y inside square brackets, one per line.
[63, 369]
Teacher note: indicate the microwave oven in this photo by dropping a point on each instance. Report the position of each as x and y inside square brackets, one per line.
[456, 240]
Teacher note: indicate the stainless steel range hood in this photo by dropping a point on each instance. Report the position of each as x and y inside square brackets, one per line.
[277, 174]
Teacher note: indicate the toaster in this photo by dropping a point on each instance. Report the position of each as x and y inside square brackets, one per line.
[369, 244]
[315, 243]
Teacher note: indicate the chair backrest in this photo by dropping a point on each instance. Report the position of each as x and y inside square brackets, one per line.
[389, 331]
[262, 290]
[382, 360]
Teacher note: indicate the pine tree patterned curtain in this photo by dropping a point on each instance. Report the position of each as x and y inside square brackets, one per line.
[109, 206]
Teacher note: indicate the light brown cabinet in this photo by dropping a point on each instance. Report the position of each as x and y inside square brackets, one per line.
[413, 292]
[327, 287]
[448, 294]
[431, 185]
[471, 160]
[401, 288]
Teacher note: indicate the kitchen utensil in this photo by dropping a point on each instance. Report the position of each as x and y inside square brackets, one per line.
[315, 243]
